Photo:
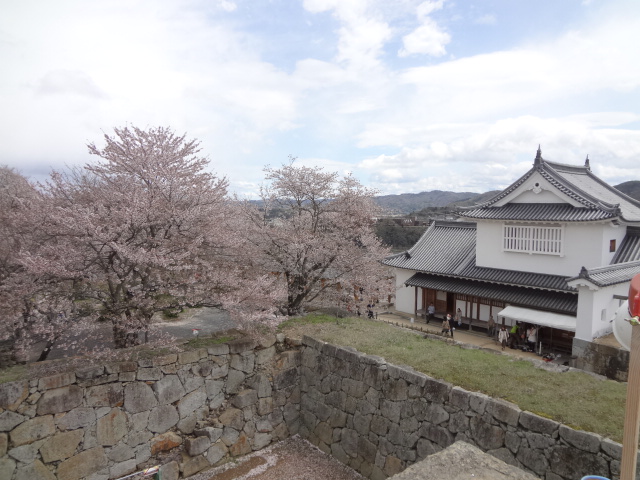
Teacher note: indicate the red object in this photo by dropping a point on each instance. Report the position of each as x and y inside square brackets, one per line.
[634, 296]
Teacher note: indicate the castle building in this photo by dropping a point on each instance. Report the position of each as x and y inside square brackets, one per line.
[555, 249]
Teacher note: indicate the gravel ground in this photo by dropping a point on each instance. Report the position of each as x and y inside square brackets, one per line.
[291, 459]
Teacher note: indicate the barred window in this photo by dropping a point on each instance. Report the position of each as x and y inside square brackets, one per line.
[533, 239]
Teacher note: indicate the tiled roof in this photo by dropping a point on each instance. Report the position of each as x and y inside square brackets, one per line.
[440, 249]
[541, 212]
[522, 296]
[609, 275]
[600, 201]
[448, 248]
[629, 250]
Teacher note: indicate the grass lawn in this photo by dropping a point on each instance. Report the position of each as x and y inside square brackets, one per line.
[573, 398]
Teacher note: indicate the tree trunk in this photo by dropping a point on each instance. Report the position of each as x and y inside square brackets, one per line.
[124, 337]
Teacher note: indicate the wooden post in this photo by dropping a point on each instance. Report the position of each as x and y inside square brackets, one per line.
[632, 412]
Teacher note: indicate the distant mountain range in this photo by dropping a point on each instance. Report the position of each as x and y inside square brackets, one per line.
[406, 203]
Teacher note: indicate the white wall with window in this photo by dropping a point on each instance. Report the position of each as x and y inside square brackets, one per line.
[579, 245]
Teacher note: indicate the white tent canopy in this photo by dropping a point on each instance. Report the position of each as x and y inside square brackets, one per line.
[537, 317]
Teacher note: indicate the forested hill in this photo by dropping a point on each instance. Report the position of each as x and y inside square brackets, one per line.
[412, 202]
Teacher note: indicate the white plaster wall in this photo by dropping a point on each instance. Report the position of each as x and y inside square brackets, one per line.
[405, 296]
[592, 322]
[585, 245]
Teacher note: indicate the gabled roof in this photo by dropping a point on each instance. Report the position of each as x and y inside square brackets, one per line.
[598, 200]
[449, 249]
[609, 275]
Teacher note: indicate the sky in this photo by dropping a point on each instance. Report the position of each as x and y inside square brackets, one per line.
[408, 96]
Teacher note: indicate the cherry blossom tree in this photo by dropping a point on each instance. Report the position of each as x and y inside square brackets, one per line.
[144, 229]
[33, 308]
[315, 230]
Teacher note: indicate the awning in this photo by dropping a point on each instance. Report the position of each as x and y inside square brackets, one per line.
[537, 317]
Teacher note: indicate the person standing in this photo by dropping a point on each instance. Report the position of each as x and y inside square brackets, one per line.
[503, 336]
[532, 338]
[458, 318]
[446, 325]
[431, 312]
[491, 331]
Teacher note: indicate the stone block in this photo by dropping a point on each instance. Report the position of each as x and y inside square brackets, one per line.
[213, 388]
[149, 374]
[9, 420]
[242, 446]
[162, 360]
[191, 402]
[212, 433]
[392, 466]
[26, 453]
[486, 436]
[503, 411]
[534, 460]
[436, 390]
[111, 428]
[12, 394]
[478, 402]
[586, 441]
[569, 462]
[138, 397]
[265, 406]
[169, 389]
[165, 442]
[390, 410]
[34, 471]
[240, 345]
[232, 417]
[288, 359]
[220, 349]
[170, 471]
[196, 446]
[192, 356]
[60, 400]
[120, 453]
[89, 372]
[536, 423]
[162, 418]
[245, 398]
[56, 381]
[61, 446]
[121, 367]
[261, 440]
[266, 355]
[108, 395]
[285, 378]
[459, 398]
[216, 453]
[4, 444]
[611, 448]
[235, 378]
[7, 467]
[77, 418]
[83, 464]
[32, 430]
[244, 362]
[123, 468]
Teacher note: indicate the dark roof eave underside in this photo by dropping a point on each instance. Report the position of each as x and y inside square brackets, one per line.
[561, 302]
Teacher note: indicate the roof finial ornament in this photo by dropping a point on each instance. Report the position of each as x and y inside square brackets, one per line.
[538, 158]
[586, 163]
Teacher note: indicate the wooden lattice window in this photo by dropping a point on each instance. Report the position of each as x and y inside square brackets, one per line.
[533, 239]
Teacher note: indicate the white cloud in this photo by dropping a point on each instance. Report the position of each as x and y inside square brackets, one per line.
[487, 19]
[428, 38]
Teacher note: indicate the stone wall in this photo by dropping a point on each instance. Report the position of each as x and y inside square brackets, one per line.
[380, 418]
[601, 359]
[185, 411]
[191, 410]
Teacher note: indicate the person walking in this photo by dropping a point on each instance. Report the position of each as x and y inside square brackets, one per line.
[503, 336]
